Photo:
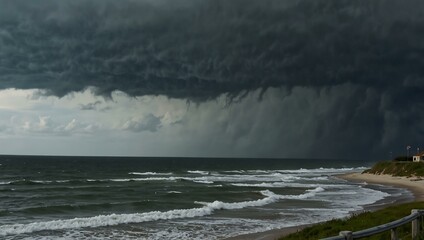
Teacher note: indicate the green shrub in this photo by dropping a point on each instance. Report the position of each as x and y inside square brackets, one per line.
[403, 159]
[359, 222]
[407, 169]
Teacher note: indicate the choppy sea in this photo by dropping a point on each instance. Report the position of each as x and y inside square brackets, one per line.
[174, 198]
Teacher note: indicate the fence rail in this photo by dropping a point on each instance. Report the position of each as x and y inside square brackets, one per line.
[414, 218]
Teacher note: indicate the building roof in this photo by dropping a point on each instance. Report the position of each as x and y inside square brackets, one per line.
[419, 154]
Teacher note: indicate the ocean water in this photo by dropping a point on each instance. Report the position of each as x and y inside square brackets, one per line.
[173, 198]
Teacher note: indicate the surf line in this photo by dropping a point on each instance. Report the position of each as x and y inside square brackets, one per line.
[116, 219]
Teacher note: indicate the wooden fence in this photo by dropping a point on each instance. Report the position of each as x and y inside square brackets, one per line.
[415, 218]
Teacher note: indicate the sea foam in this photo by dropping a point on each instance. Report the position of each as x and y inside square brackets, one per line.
[198, 172]
[116, 219]
[150, 173]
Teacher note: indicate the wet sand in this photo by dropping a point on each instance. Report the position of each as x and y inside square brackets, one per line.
[415, 185]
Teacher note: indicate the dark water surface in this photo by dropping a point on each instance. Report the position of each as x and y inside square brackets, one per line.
[172, 198]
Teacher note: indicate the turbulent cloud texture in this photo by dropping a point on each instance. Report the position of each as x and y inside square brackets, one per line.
[307, 78]
[201, 49]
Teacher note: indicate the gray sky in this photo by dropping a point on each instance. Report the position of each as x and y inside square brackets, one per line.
[212, 78]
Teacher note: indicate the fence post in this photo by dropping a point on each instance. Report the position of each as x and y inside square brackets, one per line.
[393, 234]
[346, 234]
[415, 226]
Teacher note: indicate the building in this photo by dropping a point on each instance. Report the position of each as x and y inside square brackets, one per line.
[418, 157]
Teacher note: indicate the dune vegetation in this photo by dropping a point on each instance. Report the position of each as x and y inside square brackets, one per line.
[398, 168]
[361, 221]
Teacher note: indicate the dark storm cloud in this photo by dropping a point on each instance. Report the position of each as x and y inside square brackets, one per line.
[201, 49]
[353, 70]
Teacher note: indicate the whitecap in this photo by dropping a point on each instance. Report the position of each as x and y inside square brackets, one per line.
[41, 181]
[176, 192]
[323, 170]
[136, 179]
[149, 173]
[62, 181]
[104, 220]
[116, 219]
[234, 171]
[268, 185]
[199, 172]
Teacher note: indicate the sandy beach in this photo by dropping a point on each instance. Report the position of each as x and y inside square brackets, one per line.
[415, 185]
[269, 235]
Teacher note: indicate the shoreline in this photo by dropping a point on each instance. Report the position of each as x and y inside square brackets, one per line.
[414, 185]
[270, 234]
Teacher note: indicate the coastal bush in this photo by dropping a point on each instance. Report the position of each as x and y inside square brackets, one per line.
[394, 168]
[403, 159]
[359, 222]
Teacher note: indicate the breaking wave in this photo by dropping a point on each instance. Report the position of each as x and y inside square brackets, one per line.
[116, 219]
[149, 173]
[199, 172]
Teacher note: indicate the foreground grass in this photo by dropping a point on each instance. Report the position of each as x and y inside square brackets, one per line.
[406, 169]
[361, 221]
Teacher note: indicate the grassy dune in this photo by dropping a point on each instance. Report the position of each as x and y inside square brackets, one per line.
[361, 221]
[366, 220]
[394, 168]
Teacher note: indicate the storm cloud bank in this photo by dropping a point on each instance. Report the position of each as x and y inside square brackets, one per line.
[201, 49]
[332, 76]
